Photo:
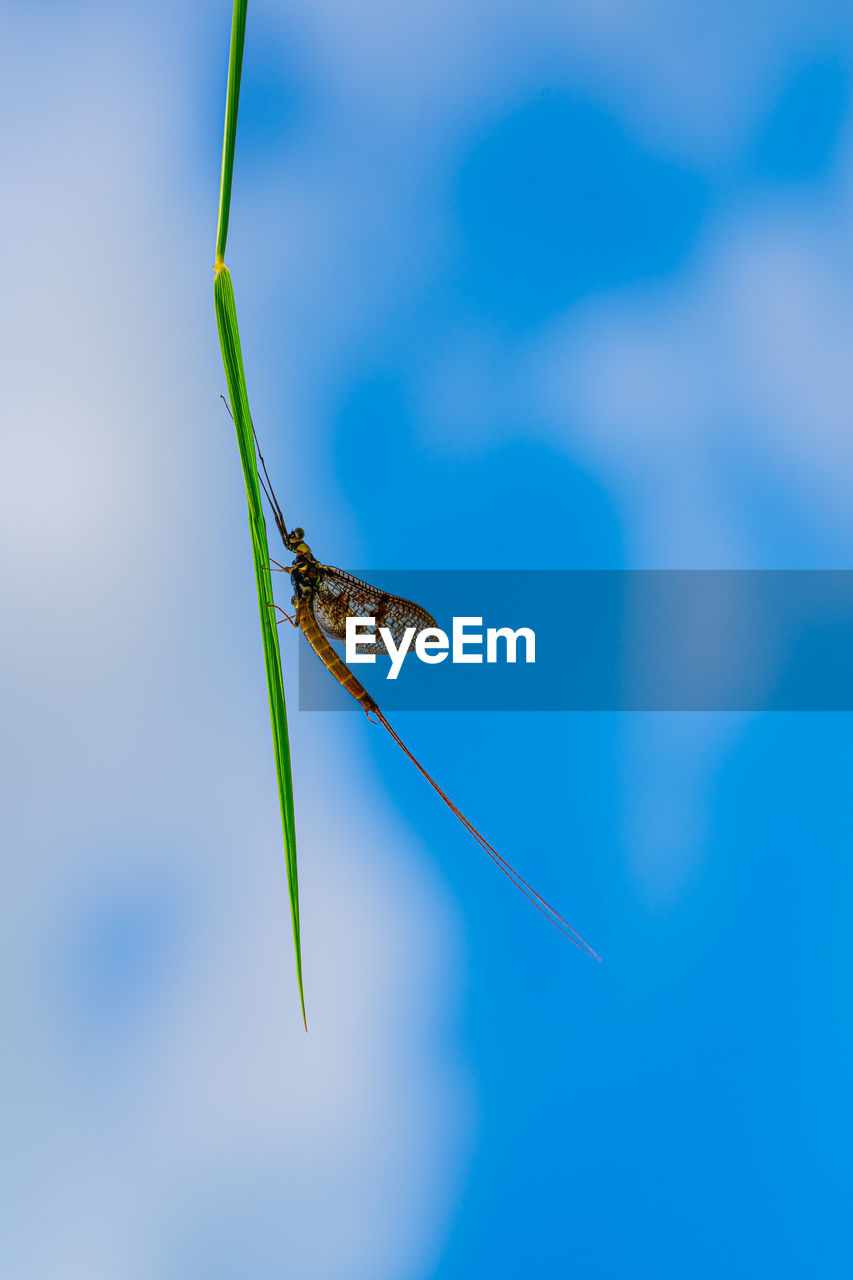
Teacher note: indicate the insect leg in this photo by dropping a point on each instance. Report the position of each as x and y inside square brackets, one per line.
[291, 618]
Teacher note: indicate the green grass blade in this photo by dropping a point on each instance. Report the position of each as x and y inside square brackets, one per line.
[232, 102]
[232, 359]
[235, 377]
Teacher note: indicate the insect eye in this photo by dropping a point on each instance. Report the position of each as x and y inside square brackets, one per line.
[298, 534]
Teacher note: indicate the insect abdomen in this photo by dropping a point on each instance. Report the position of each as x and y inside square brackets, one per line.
[330, 659]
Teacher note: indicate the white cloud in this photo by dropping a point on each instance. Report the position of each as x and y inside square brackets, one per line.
[713, 405]
[695, 79]
[744, 353]
[202, 1119]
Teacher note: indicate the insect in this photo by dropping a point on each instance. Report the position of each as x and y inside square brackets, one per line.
[323, 598]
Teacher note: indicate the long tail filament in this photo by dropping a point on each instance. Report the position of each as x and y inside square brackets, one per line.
[550, 913]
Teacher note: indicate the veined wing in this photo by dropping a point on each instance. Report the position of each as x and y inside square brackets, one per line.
[339, 596]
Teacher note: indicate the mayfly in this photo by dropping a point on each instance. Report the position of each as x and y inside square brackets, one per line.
[323, 598]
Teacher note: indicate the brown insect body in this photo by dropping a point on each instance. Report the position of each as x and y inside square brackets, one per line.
[332, 661]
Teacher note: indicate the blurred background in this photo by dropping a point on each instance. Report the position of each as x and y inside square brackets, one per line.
[558, 280]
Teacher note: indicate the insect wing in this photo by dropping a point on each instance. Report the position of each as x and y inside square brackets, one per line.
[339, 596]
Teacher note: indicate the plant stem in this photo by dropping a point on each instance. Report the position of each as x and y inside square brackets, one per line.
[235, 377]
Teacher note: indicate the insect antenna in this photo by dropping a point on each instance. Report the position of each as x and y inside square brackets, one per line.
[541, 904]
[266, 483]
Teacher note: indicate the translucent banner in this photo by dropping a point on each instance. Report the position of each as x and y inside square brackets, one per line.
[697, 640]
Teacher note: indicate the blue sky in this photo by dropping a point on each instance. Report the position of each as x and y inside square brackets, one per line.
[561, 282]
